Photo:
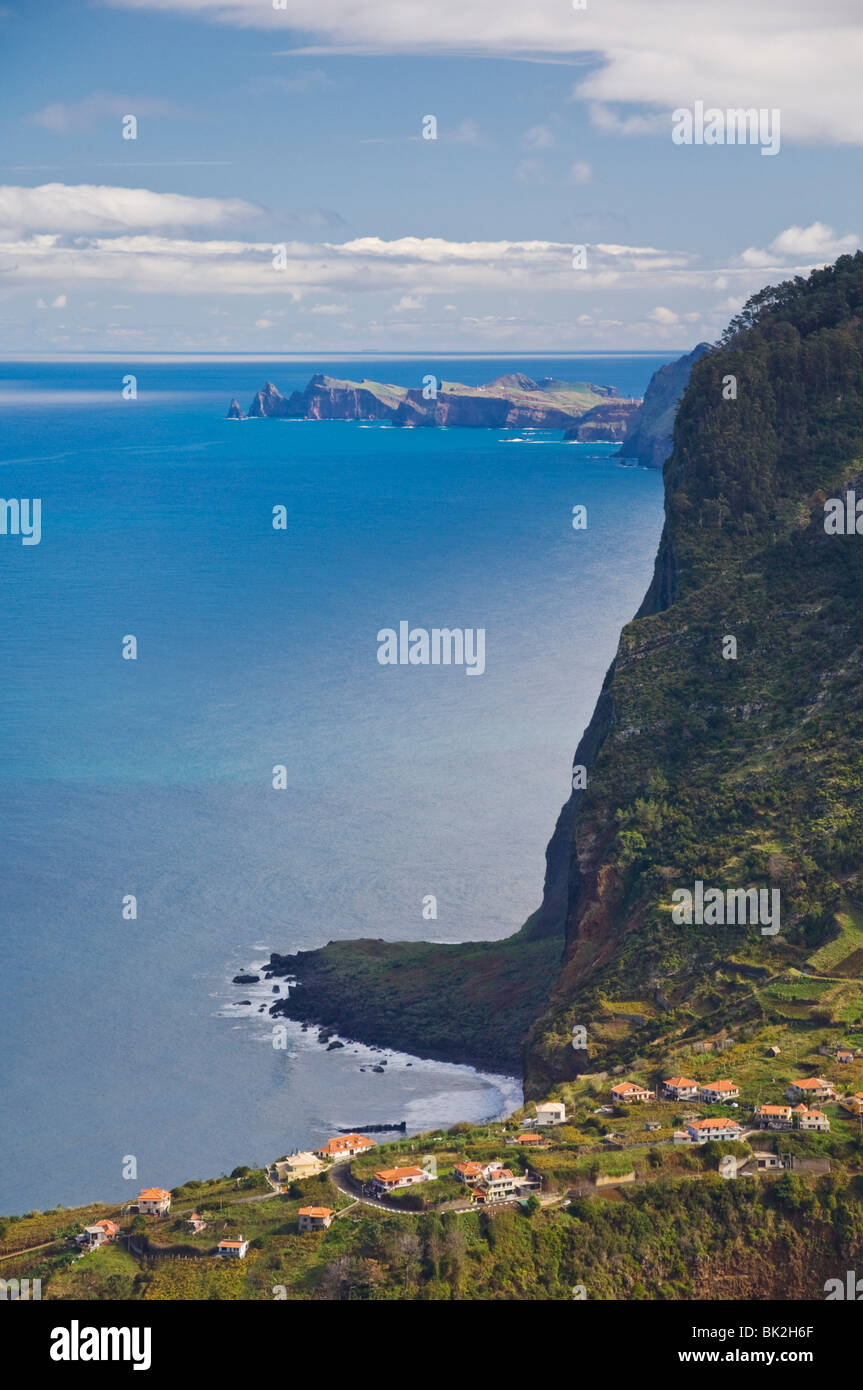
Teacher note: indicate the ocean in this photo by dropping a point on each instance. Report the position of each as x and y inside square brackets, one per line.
[256, 648]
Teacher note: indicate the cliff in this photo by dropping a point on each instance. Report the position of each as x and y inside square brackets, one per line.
[610, 420]
[648, 438]
[737, 763]
[513, 401]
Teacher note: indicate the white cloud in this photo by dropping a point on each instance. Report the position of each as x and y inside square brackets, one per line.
[663, 316]
[59, 302]
[804, 59]
[408, 302]
[815, 244]
[539, 137]
[60, 208]
[581, 172]
[263, 323]
[64, 118]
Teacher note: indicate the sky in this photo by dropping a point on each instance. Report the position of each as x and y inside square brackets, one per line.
[281, 194]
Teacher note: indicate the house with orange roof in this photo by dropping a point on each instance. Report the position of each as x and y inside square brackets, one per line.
[500, 1185]
[679, 1088]
[702, 1131]
[233, 1249]
[811, 1119]
[153, 1201]
[314, 1218]
[716, 1092]
[812, 1088]
[626, 1093]
[468, 1172]
[98, 1234]
[195, 1223]
[345, 1146]
[843, 1055]
[773, 1116]
[530, 1139]
[388, 1179]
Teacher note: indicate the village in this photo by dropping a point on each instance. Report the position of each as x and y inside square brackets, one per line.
[544, 1168]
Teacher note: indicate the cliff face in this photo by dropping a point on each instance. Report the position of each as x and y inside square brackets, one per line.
[736, 771]
[514, 401]
[649, 436]
[611, 420]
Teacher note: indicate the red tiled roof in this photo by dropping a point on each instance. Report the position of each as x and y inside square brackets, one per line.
[393, 1174]
[315, 1211]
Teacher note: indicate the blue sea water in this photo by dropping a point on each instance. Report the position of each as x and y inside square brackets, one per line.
[257, 647]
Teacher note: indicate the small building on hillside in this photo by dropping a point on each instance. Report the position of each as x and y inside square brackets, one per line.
[389, 1179]
[626, 1093]
[774, 1051]
[844, 1056]
[811, 1119]
[195, 1223]
[530, 1139]
[702, 1131]
[772, 1116]
[812, 1088]
[679, 1088]
[499, 1185]
[718, 1092]
[153, 1201]
[762, 1161]
[100, 1233]
[345, 1146]
[314, 1218]
[468, 1172]
[233, 1249]
[551, 1112]
[297, 1166]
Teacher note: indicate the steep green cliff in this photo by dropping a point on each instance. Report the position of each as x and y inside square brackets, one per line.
[739, 771]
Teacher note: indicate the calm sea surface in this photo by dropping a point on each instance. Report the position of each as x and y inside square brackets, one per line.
[257, 647]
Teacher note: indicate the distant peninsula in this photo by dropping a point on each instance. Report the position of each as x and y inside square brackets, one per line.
[515, 401]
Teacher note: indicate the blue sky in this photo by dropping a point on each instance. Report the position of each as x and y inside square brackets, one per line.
[260, 127]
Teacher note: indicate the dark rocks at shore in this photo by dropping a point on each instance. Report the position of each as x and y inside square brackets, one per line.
[235, 411]
[608, 422]
[400, 1126]
[277, 989]
[245, 979]
[331, 1047]
[243, 1004]
[380, 1070]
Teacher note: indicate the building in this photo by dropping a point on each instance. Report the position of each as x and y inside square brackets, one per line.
[811, 1119]
[627, 1092]
[233, 1249]
[718, 1092]
[774, 1051]
[468, 1172]
[772, 1116]
[98, 1234]
[651, 1125]
[345, 1146]
[499, 1185]
[702, 1131]
[388, 1179]
[551, 1112]
[762, 1161]
[843, 1056]
[314, 1218]
[813, 1088]
[195, 1223]
[297, 1166]
[153, 1201]
[680, 1088]
[530, 1139]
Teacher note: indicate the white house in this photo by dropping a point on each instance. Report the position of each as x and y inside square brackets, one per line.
[314, 1218]
[702, 1131]
[499, 1185]
[716, 1092]
[811, 1119]
[773, 1116]
[388, 1179]
[98, 1234]
[627, 1093]
[233, 1249]
[812, 1088]
[551, 1112]
[345, 1146]
[680, 1088]
[153, 1201]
